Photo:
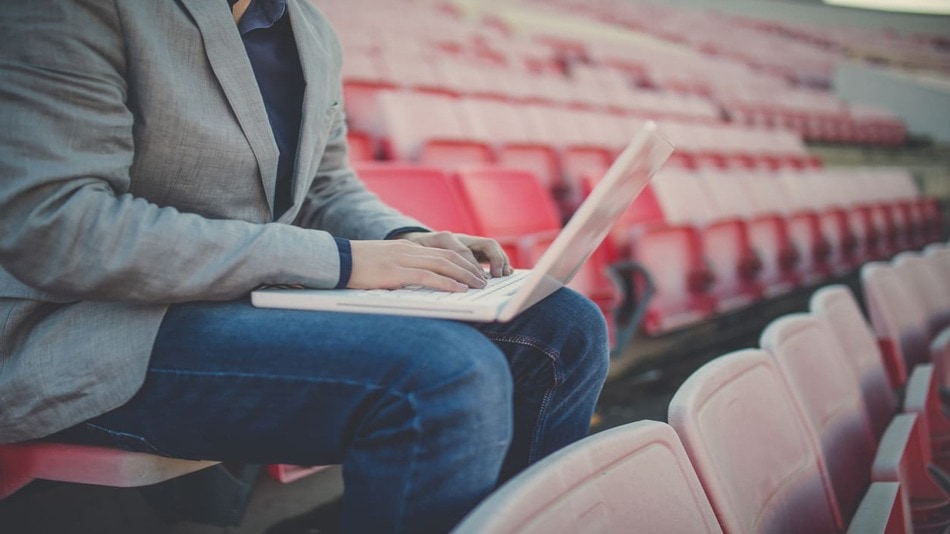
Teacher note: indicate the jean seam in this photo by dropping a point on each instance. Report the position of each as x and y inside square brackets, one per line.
[119, 434]
[554, 356]
[412, 466]
[290, 378]
[3, 335]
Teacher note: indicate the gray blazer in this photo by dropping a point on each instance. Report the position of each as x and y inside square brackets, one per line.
[137, 169]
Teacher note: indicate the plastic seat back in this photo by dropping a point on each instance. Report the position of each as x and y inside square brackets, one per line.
[828, 392]
[508, 202]
[837, 307]
[751, 448]
[633, 475]
[428, 128]
[512, 206]
[922, 277]
[21, 463]
[896, 314]
[425, 193]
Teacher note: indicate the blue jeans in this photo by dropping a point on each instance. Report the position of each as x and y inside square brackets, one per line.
[426, 416]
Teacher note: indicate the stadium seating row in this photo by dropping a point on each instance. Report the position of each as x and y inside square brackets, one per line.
[566, 124]
[801, 435]
[712, 81]
[750, 235]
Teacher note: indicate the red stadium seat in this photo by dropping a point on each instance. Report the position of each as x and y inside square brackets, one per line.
[503, 125]
[728, 251]
[513, 207]
[22, 463]
[425, 193]
[362, 82]
[673, 257]
[732, 194]
[360, 146]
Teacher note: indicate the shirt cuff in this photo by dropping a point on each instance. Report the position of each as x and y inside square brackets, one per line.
[346, 261]
[406, 229]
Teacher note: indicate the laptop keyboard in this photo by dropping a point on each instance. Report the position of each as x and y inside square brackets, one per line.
[494, 286]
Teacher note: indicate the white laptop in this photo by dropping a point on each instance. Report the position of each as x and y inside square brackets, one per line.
[504, 298]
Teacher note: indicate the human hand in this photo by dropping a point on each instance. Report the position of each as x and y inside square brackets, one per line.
[476, 250]
[440, 260]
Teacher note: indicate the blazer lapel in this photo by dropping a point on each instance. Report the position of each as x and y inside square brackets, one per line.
[315, 62]
[231, 66]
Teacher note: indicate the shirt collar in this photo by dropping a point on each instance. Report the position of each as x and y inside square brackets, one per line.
[261, 14]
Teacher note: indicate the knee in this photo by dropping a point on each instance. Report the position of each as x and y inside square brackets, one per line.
[585, 344]
[463, 375]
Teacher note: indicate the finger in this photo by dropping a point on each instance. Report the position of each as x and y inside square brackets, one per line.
[491, 251]
[427, 278]
[456, 251]
[453, 242]
[448, 264]
[433, 279]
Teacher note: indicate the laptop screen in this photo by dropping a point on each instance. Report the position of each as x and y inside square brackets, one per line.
[624, 180]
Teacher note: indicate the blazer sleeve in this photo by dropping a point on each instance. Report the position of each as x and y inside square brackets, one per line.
[68, 224]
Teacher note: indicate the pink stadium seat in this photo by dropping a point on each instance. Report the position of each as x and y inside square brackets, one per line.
[728, 251]
[830, 396]
[428, 129]
[672, 255]
[837, 231]
[24, 462]
[425, 193]
[897, 315]
[805, 229]
[828, 392]
[505, 127]
[923, 278]
[360, 146]
[578, 140]
[817, 194]
[923, 399]
[837, 306]
[636, 476]
[731, 195]
[932, 218]
[362, 82]
[754, 452]
[939, 256]
[882, 234]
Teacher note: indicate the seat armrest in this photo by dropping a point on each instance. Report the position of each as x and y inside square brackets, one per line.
[883, 510]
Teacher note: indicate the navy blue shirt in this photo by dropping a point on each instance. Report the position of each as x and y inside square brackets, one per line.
[271, 48]
[269, 42]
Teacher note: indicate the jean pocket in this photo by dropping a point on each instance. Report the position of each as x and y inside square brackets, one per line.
[126, 441]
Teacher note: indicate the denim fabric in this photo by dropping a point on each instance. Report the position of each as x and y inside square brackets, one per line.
[426, 416]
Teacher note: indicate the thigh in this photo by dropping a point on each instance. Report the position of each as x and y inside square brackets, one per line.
[232, 382]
